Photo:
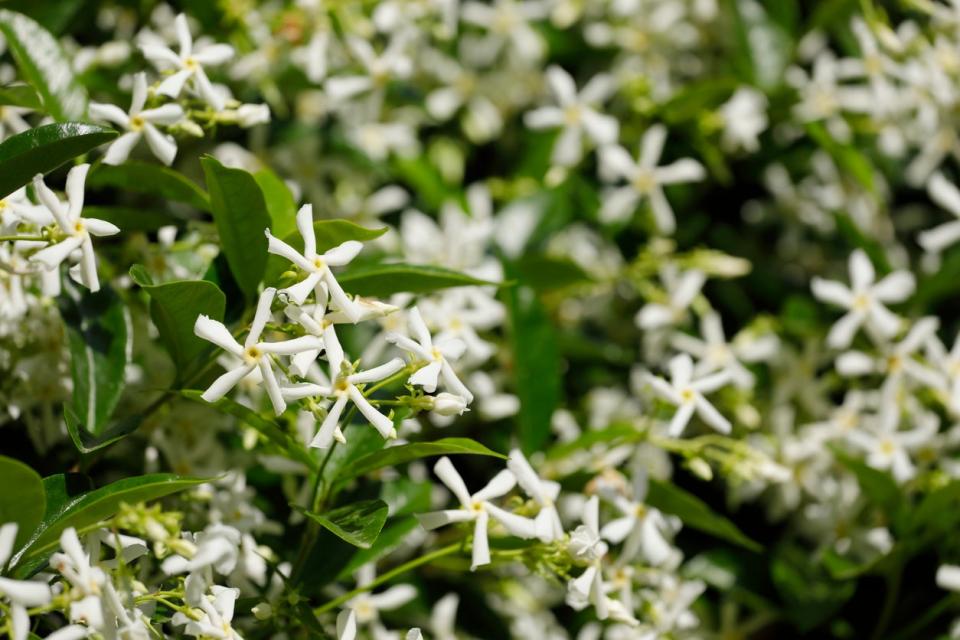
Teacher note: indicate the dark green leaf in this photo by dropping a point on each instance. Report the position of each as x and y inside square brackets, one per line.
[329, 233]
[43, 149]
[23, 500]
[384, 280]
[695, 513]
[270, 430]
[100, 338]
[44, 65]
[536, 356]
[20, 95]
[174, 307]
[545, 273]
[241, 217]
[392, 456]
[358, 523]
[89, 508]
[87, 442]
[280, 203]
[153, 179]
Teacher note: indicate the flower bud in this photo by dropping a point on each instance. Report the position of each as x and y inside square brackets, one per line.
[249, 115]
[449, 404]
[263, 611]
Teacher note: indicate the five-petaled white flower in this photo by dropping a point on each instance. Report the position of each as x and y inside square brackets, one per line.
[645, 179]
[21, 594]
[139, 122]
[864, 300]
[587, 545]
[544, 493]
[77, 228]
[947, 234]
[253, 353]
[317, 266]
[478, 509]
[641, 527]
[687, 394]
[436, 357]
[188, 64]
[576, 113]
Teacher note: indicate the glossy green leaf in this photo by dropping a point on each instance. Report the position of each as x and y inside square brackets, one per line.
[100, 338]
[329, 233]
[20, 95]
[174, 307]
[280, 203]
[545, 273]
[270, 430]
[358, 523]
[695, 513]
[241, 216]
[44, 65]
[384, 280]
[153, 179]
[43, 149]
[23, 501]
[391, 537]
[392, 456]
[536, 356]
[84, 509]
[87, 442]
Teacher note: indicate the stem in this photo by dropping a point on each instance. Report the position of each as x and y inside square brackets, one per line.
[889, 602]
[389, 575]
[27, 238]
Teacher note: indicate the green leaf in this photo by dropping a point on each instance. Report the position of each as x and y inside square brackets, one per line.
[88, 508]
[849, 159]
[878, 486]
[424, 180]
[241, 217]
[546, 273]
[695, 513]
[537, 377]
[87, 442]
[270, 430]
[43, 149]
[44, 65]
[23, 501]
[20, 95]
[130, 218]
[361, 441]
[389, 539]
[153, 179]
[358, 523]
[383, 280]
[100, 338]
[174, 307]
[329, 233]
[280, 203]
[764, 48]
[392, 456]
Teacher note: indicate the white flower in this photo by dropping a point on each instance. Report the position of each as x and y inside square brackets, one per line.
[367, 606]
[948, 577]
[586, 544]
[508, 23]
[947, 234]
[443, 617]
[390, 64]
[687, 394]
[641, 527]
[544, 492]
[21, 594]
[888, 448]
[576, 113]
[139, 123]
[253, 353]
[478, 509]
[715, 354]
[449, 404]
[317, 266]
[863, 300]
[645, 179]
[744, 119]
[249, 115]
[188, 64]
[217, 615]
[682, 288]
[434, 355]
[77, 228]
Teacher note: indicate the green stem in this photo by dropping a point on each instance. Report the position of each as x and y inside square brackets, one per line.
[389, 575]
[889, 602]
[931, 615]
[25, 238]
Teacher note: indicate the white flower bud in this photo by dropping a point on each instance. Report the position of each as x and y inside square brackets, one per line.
[449, 404]
[249, 115]
[263, 611]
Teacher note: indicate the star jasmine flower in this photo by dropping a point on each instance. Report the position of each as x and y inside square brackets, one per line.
[317, 266]
[744, 118]
[380, 69]
[682, 288]
[887, 448]
[478, 509]
[76, 228]
[215, 622]
[508, 24]
[641, 527]
[139, 123]
[21, 594]
[443, 617]
[436, 357]
[715, 354]
[645, 179]
[253, 353]
[544, 492]
[587, 545]
[687, 394]
[367, 606]
[864, 300]
[188, 64]
[576, 113]
[945, 194]
[345, 388]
